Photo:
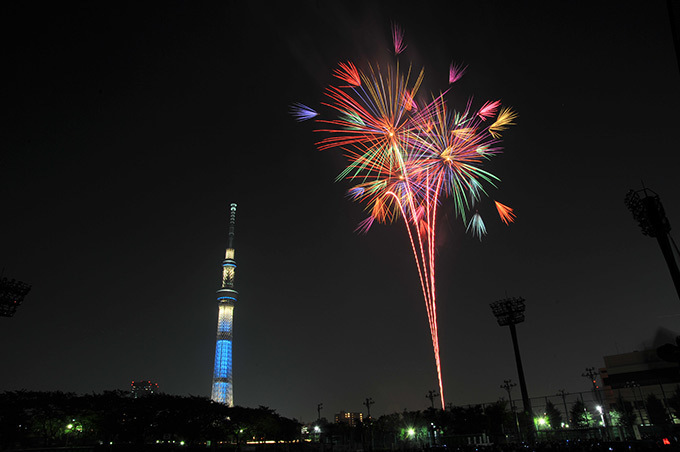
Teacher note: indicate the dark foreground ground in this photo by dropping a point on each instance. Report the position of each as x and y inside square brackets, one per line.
[556, 446]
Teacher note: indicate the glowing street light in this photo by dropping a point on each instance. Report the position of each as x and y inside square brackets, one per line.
[541, 422]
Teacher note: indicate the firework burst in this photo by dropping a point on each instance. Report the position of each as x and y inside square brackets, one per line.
[405, 155]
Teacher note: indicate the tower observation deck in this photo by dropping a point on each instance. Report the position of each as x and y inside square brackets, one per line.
[222, 384]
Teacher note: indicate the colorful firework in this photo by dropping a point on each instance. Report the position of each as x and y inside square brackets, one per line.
[405, 155]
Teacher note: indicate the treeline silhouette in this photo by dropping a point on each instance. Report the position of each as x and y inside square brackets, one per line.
[115, 421]
[50, 419]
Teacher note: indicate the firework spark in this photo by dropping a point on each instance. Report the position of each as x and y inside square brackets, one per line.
[398, 39]
[489, 109]
[348, 72]
[456, 71]
[504, 119]
[477, 226]
[505, 213]
[302, 112]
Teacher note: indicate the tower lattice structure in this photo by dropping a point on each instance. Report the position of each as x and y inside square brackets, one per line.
[222, 384]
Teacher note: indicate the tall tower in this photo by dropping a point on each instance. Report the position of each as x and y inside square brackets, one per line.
[222, 385]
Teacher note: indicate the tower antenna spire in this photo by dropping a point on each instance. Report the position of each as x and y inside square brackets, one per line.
[232, 224]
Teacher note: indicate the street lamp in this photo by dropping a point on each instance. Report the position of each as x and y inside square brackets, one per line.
[598, 408]
[509, 312]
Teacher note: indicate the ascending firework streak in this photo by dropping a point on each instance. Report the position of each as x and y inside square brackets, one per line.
[406, 154]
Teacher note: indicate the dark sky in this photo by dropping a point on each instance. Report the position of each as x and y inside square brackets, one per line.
[127, 131]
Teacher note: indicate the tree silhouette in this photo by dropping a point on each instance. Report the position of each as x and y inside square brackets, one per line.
[580, 415]
[553, 414]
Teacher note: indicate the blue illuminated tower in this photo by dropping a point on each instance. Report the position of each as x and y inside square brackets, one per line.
[222, 385]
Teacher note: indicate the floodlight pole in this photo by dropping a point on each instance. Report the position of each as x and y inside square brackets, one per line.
[520, 370]
[509, 312]
[649, 213]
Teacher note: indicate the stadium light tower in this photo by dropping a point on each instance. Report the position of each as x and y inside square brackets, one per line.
[12, 293]
[509, 312]
[646, 207]
[222, 385]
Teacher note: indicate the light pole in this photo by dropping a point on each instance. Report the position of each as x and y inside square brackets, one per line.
[649, 213]
[509, 312]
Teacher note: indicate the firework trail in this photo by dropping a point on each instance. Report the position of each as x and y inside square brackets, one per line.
[406, 154]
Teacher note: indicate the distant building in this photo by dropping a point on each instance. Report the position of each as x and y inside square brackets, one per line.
[632, 377]
[141, 388]
[349, 418]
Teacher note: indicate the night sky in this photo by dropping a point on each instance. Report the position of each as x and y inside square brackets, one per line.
[128, 130]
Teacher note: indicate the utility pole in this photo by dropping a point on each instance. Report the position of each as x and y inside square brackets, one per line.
[508, 385]
[431, 395]
[564, 402]
[369, 401]
[509, 312]
[318, 411]
[592, 374]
